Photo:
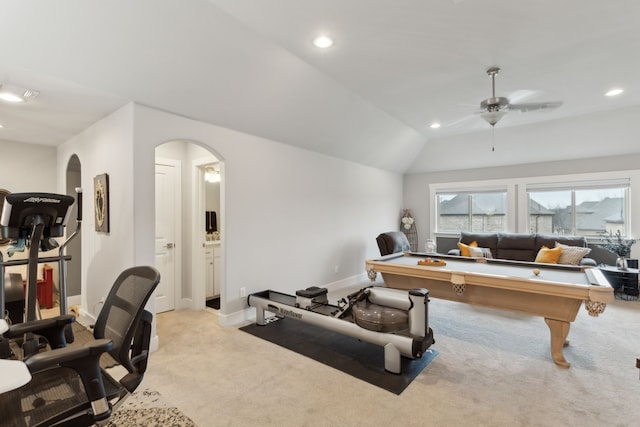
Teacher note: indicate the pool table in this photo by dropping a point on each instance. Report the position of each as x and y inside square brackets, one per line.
[554, 292]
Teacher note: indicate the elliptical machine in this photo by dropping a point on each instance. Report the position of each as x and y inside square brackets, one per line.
[33, 220]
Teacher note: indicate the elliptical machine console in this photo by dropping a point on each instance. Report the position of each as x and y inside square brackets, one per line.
[33, 220]
[21, 212]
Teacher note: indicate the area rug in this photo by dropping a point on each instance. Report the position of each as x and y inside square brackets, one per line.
[145, 407]
[148, 408]
[349, 355]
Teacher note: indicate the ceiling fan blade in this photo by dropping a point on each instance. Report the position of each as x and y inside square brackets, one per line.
[533, 106]
[458, 122]
[522, 95]
[463, 121]
[465, 106]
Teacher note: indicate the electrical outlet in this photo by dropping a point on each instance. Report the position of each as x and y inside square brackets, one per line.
[336, 268]
[98, 306]
[243, 292]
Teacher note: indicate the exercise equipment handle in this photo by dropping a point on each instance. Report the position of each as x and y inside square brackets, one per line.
[79, 203]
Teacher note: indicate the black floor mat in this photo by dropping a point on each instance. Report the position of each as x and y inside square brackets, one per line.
[213, 303]
[350, 355]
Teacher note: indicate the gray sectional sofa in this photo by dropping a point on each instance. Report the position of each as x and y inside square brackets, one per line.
[520, 246]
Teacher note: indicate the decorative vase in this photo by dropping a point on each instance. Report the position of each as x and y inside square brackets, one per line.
[621, 263]
[408, 227]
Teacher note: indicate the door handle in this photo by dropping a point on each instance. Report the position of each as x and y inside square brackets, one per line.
[169, 246]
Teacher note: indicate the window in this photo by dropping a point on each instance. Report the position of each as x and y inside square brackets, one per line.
[590, 205]
[588, 209]
[476, 211]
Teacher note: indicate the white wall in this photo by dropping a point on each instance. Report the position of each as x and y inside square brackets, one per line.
[416, 186]
[292, 217]
[591, 136]
[598, 142]
[212, 191]
[105, 147]
[27, 167]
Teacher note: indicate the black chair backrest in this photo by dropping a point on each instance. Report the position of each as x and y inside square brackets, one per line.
[123, 309]
[392, 242]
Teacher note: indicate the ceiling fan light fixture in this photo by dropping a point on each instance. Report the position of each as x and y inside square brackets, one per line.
[493, 108]
[493, 116]
[15, 94]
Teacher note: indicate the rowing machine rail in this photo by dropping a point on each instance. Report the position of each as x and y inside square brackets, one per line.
[411, 342]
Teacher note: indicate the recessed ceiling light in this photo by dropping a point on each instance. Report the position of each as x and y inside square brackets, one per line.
[323, 42]
[10, 97]
[614, 92]
[434, 125]
[14, 94]
[1, 125]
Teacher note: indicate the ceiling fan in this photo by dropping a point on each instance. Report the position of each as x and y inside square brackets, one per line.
[494, 108]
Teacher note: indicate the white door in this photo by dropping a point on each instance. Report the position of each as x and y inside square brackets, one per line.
[167, 215]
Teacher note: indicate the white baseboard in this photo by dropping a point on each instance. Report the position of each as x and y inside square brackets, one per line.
[237, 318]
[184, 303]
[154, 344]
[86, 318]
[74, 300]
[361, 280]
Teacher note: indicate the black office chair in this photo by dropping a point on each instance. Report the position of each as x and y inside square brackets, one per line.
[392, 242]
[68, 386]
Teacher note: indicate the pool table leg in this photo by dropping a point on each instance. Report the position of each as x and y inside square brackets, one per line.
[559, 332]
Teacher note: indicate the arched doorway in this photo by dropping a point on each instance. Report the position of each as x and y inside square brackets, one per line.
[193, 269]
[74, 267]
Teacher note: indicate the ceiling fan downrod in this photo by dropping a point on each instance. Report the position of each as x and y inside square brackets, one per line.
[495, 107]
[492, 73]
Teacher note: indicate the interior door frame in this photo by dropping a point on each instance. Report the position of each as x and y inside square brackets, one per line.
[198, 259]
[177, 221]
[197, 233]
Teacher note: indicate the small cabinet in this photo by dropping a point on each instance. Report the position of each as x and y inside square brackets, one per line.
[208, 275]
[212, 269]
[216, 269]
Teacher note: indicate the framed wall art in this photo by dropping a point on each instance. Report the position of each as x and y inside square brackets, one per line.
[101, 202]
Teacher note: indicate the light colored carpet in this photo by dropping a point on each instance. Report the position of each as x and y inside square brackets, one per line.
[494, 369]
[144, 407]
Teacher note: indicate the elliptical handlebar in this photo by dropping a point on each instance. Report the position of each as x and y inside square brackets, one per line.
[78, 222]
[62, 265]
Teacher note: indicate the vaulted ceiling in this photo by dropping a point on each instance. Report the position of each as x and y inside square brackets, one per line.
[396, 67]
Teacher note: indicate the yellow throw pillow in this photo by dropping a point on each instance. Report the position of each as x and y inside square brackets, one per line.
[549, 256]
[464, 249]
